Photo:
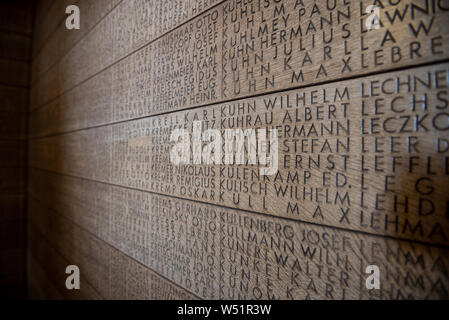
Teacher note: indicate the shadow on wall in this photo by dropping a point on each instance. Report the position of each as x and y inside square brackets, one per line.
[15, 51]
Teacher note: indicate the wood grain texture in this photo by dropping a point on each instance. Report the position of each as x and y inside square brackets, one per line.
[13, 181]
[347, 157]
[128, 27]
[12, 287]
[13, 100]
[232, 57]
[12, 235]
[53, 265]
[14, 46]
[221, 253]
[110, 273]
[363, 164]
[62, 40]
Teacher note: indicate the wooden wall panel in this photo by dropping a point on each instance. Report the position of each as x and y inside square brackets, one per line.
[223, 253]
[39, 286]
[16, 17]
[86, 106]
[362, 118]
[15, 73]
[108, 272]
[330, 159]
[129, 26]
[216, 59]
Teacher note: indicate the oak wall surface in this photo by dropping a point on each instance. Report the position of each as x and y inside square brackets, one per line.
[15, 52]
[363, 124]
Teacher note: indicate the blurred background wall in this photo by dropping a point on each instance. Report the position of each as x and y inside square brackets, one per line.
[16, 18]
[69, 217]
[85, 122]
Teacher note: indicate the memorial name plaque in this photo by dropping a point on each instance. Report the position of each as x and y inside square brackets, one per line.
[221, 253]
[242, 48]
[369, 154]
[241, 149]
